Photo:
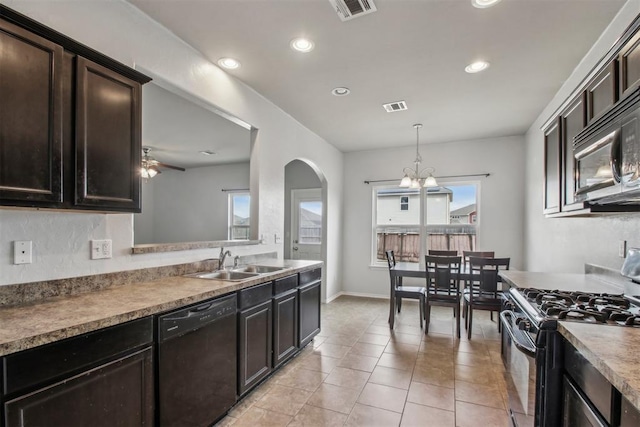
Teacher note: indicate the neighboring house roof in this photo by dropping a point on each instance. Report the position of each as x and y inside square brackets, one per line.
[463, 211]
[413, 192]
[309, 219]
[238, 220]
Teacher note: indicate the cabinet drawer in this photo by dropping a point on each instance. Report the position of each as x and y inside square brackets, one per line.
[593, 384]
[43, 364]
[285, 284]
[255, 295]
[310, 276]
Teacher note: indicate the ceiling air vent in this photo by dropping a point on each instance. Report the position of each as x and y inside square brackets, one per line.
[392, 107]
[349, 9]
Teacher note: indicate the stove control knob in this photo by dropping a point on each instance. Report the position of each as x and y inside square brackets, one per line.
[509, 304]
[523, 324]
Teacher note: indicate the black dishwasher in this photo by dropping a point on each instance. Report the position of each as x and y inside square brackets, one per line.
[197, 363]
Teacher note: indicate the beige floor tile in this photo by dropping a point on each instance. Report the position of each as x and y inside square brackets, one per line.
[311, 416]
[486, 395]
[284, 400]
[406, 338]
[383, 397]
[425, 416]
[332, 350]
[301, 378]
[436, 376]
[473, 346]
[364, 349]
[397, 361]
[402, 348]
[434, 339]
[226, 422]
[361, 363]
[367, 416]
[334, 398]
[409, 329]
[317, 340]
[316, 362]
[472, 359]
[347, 340]
[261, 417]
[392, 377]
[378, 330]
[431, 395]
[475, 374]
[438, 360]
[350, 378]
[374, 339]
[468, 414]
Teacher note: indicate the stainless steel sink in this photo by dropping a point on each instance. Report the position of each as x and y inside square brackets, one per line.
[259, 269]
[232, 276]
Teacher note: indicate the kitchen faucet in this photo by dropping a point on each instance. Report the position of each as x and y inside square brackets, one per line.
[222, 257]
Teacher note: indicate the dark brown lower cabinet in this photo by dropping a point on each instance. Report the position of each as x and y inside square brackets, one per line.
[309, 312]
[119, 393]
[255, 327]
[285, 326]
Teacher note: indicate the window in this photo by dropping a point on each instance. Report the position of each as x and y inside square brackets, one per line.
[404, 203]
[447, 220]
[239, 216]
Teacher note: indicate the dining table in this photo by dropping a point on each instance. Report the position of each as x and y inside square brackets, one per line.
[414, 269]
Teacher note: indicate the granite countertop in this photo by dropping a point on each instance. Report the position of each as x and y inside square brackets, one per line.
[613, 350]
[561, 281]
[45, 321]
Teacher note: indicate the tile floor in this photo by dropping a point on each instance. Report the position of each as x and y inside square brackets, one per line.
[358, 372]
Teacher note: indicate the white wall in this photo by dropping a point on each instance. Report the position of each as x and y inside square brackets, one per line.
[501, 201]
[191, 206]
[566, 244]
[117, 29]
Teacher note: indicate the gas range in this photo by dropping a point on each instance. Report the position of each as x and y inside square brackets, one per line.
[543, 305]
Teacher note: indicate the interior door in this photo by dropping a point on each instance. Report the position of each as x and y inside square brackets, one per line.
[306, 224]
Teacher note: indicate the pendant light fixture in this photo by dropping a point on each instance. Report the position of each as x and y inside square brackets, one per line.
[414, 177]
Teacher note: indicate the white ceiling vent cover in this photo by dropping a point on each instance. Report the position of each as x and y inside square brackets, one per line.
[392, 107]
[349, 9]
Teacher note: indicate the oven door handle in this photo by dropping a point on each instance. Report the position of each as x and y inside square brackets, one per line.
[519, 338]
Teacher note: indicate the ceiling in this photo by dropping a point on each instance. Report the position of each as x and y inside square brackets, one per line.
[411, 50]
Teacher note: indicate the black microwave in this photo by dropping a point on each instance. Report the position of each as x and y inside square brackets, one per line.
[607, 155]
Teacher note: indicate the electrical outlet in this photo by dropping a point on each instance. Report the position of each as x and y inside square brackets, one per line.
[278, 238]
[22, 252]
[101, 249]
[622, 249]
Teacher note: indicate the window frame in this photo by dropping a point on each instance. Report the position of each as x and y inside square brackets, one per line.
[422, 226]
[230, 212]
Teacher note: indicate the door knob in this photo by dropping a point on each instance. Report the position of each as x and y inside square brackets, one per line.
[295, 248]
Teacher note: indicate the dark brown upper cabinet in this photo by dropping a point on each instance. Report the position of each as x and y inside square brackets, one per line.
[70, 122]
[602, 91]
[30, 117]
[551, 190]
[108, 138]
[629, 59]
[572, 120]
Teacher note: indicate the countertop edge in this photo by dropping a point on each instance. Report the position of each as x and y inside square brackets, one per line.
[217, 288]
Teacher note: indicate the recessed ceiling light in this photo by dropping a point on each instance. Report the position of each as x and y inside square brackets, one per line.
[207, 153]
[228, 63]
[341, 91]
[476, 67]
[482, 4]
[302, 45]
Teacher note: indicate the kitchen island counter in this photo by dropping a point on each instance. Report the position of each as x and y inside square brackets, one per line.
[48, 320]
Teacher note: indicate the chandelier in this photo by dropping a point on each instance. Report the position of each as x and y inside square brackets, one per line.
[414, 177]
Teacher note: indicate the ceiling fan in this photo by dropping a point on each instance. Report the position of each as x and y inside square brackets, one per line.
[151, 167]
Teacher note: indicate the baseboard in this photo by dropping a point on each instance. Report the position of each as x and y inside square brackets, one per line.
[362, 295]
[334, 296]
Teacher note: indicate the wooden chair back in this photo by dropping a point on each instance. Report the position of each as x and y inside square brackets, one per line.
[443, 275]
[488, 269]
[442, 253]
[476, 254]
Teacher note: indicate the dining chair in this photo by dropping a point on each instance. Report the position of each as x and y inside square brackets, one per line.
[443, 286]
[486, 296]
[467, 268]
[400, 291]
[442, 253]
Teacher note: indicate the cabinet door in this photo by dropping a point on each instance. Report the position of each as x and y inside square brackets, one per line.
[285, 326]
[30, 119]
[255, 326]
[573, 120]
[108, 139]
[309, 312]
[602, 92]
[551, 189]
[630, 66]
[119, 393]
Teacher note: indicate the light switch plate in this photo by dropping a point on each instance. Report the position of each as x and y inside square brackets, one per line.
[278, 238]
[101, 249]
[622, 248]
[22, 252]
